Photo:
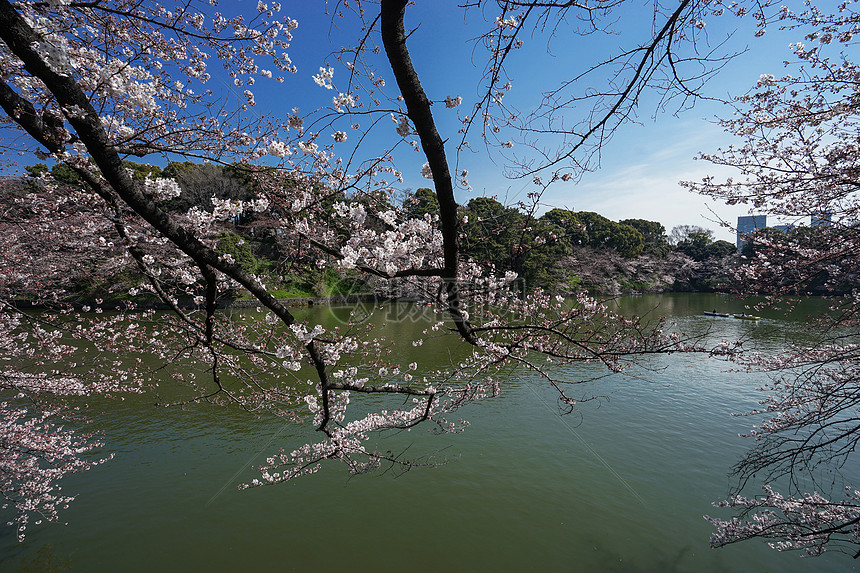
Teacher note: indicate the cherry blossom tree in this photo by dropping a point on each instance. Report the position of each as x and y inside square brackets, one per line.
[797, 158]
[91, 84]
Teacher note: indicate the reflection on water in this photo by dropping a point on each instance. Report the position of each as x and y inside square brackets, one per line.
[620, 485]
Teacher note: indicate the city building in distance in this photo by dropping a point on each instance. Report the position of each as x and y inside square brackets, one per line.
[747, 225]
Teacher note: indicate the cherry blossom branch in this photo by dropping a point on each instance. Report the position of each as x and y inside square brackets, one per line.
[418, 106]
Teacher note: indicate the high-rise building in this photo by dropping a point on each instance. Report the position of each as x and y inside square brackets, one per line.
[747, 225]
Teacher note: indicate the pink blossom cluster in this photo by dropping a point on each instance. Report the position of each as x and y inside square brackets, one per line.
[810, 523]
[37, 453]
[405, 244]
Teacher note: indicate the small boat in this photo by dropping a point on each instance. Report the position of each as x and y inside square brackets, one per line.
[747, 317]
[635, 293]
[715, 313]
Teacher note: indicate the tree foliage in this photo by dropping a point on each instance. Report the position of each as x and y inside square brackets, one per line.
[700, 246]
[492, 232]
[681, 233]
[653, 234]
[422, 202]
[60, 172]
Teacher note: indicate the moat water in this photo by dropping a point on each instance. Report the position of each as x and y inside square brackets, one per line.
[620, 485]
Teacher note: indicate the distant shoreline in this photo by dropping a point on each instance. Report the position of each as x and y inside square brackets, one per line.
[188, 304]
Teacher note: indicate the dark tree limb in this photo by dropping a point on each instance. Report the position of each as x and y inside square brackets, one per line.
[418, 109]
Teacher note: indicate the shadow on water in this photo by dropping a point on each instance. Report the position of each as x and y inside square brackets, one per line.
[43, 560]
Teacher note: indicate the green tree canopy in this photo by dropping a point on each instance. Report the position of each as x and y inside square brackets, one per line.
[60, 172]
[491, 231]
[140, 171]
[567, 227]
[422, 202]
[626, 240]
[597, 227]
[700, 246]
[653, 235]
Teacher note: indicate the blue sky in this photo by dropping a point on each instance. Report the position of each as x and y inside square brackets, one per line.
[641, 166]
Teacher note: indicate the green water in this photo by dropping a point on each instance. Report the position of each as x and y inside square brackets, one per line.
[621, 485]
